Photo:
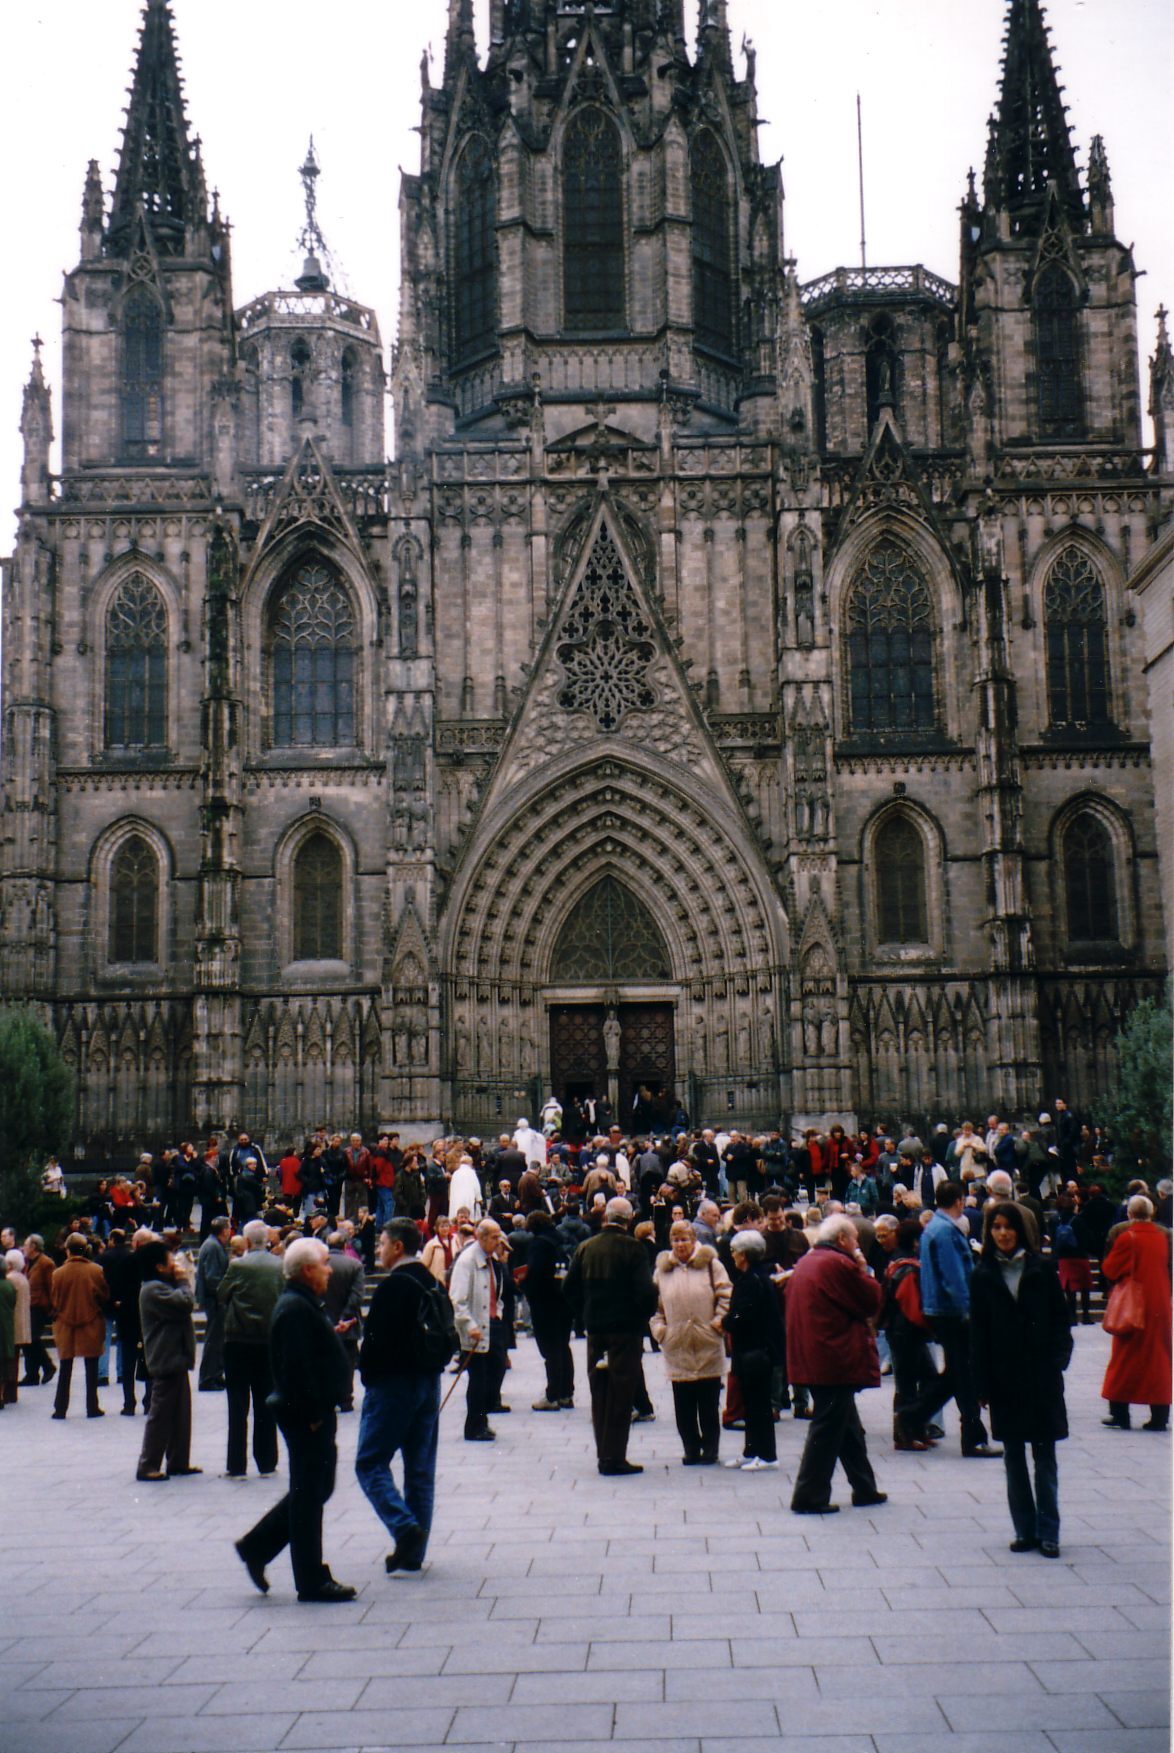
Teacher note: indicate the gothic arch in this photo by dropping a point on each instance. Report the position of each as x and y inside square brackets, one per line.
[878, 904]
[593, 156]
[304, 543]
[1107, 566]
[104, 855]
[702, 882]
[105, 589]
[472, 249]
[285, 866]
[914, 536]
[714, 239]
[1119, 841]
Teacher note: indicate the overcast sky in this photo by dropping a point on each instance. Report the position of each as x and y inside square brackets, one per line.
[262, 75]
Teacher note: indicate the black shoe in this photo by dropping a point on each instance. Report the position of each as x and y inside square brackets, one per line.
[29, 1382]
[648, 1417]
[103, 1381]
[1023, 1546]
[566, 1405]
[1116, 1424]
[691, 1461]
[862, 1503]
[481, 1436]
[128, 1412]
[96, 1413]
[708, 1459]
[57, 1414]
[1150, 1425]
[799, 1412]
[934, 1432]
[182, 1472]
[619, 1469]
[1049, 1549]
[409, 1551]
[49, 1374]
[330, 1591]
[501, 1409]
[982, 1452]
[255, 1569]
[815, 1509]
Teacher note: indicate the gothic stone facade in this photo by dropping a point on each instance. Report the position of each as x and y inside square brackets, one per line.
[751, 656]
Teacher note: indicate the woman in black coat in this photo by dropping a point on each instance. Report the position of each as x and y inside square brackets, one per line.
[755, 1326]
[1021, 1344]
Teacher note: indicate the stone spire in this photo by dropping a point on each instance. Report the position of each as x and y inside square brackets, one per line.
[158, 172]
[310, 239]
[1100, 188]
[460, 43]
[92, 213]
[1162, 397]
[1031, 143]
[36, 429]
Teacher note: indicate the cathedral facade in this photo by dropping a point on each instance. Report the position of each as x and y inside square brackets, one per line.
[731, 689]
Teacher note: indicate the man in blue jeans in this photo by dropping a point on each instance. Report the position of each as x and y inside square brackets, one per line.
[401, 1406]
[946, 1265]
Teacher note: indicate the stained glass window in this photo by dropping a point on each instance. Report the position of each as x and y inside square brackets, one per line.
[134, 903]
[1089, 881]
[314, 655]
[713, 304]
[474, 264]
[1075, 633]
[317, 901]
[890, 644]
[610, 936]
[593, 224]
[142, 377]
[899, 858]
[1057, 342]
[136, 667]
[606, 645]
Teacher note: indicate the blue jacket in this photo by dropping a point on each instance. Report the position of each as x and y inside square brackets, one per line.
[946, 1265]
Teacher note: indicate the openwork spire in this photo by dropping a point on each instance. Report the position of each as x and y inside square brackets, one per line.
[1031, 144]
[461, 40]
[157, 169]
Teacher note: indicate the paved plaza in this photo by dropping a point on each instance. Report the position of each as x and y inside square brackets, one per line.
[686, 1609]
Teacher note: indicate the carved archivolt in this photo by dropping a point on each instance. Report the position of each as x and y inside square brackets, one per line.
[620, 818]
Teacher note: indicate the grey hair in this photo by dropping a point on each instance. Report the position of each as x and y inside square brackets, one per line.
[37, 1241]
[1140, 1206]
[618, 1211]
[256, 1233]
[832, 1228]
[307, 1251]
[886, 1221]
[1000, 1185]
[749, 1242]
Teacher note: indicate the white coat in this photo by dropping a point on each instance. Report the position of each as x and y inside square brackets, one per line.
[531, 1144]
[464, 1190]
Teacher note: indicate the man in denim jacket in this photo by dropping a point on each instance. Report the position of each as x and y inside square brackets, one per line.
[946, 1265]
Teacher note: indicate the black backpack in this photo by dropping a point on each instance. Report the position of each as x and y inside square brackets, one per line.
[435, 1337]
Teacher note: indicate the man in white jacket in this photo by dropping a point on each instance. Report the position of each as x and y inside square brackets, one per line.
[531, 1144]
[477, 1289]
[464, 1190]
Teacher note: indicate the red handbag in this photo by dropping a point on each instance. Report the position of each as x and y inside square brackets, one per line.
[1125, 1309]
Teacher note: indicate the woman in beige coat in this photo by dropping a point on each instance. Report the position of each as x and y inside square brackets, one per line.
[693, 1288]
[23, 1320]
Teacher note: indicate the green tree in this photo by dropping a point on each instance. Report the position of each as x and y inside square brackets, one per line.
[36, 1110]
[1141, 1111]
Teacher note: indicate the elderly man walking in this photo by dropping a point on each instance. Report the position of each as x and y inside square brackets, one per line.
[310, 1376]
[477, 1288]
[612, 1295]
[211, 1265]
[832, 1301]
[247, 1295]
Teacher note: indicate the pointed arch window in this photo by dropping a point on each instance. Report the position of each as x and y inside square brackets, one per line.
[610, 936]
[317, 901]
[474, 254]
[141, 390]
[901, 900]
[1090, 887]
[1059, 395]
[134, 903]
[593, 224]
[313, 656]
[713, 294]
[1075, 632]
[299, 378]
[890, 645]
[136, 667]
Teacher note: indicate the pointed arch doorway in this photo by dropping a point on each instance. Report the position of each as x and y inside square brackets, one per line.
[612, 1010]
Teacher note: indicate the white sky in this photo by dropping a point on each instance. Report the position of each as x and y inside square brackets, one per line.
[263, 74]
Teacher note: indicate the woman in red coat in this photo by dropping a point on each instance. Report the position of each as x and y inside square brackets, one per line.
[1139, 1368]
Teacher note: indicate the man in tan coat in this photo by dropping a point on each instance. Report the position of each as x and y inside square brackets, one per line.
[79, 1295]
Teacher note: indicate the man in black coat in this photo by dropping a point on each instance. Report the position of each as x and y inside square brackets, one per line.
[124, 1281]
[612, 1295]
[310, 1376]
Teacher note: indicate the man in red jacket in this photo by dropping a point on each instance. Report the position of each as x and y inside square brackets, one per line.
[832, 1302]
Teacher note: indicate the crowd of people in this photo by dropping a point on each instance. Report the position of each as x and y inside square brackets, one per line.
[773, 1277]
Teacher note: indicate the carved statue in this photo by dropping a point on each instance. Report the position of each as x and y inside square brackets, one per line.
[461, 1034]
[829, 1031]
[419, 1038]
[484, 1046]
[400, 1039]
[810, 1028]
[505, 1046]
[409, 593]
[702, 1041]
[745, 1051]
[612, 1036]
[526, 1051]
[721, 1044]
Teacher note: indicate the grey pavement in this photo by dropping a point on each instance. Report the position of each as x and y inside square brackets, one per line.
[684, 1609]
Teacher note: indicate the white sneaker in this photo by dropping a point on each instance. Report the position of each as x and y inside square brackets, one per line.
[740, 1461]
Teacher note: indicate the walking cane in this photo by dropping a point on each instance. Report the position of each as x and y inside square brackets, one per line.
[465, 1355]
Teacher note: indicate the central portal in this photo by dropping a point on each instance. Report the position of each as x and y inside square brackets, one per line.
[619, 1058]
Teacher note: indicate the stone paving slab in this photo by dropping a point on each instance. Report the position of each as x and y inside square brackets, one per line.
[682, 1610]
